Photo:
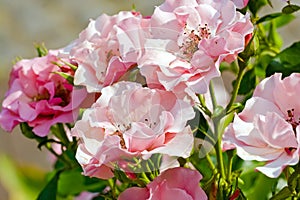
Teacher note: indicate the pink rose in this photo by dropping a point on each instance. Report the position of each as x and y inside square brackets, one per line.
[267, 129]
[176, 184]
[97, 51]
[189, 41]
[40, 97]
[129, 121]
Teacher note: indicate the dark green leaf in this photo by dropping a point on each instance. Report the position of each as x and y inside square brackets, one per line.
[290, 9]
[286, 62]
[200, 123]
[269, 17]
[27, 132]
[50, 190]
[202, 165]
[283, 194]
[256, 5]
[248, 82]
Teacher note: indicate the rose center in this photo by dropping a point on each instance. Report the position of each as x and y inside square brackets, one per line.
[122, 141]
[64, 94]
[292, 120]
[190, 40]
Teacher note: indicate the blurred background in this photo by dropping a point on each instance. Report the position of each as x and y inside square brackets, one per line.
[56, 23]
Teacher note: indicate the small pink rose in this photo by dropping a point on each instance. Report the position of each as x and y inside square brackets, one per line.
[39, 96]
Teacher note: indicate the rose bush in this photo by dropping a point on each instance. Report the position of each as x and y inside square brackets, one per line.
[131, 109]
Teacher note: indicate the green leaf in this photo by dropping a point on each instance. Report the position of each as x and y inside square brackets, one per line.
[27, 132]
[280, 19]
[283, 20]
[269, 17]
[203, 166]
[273, 37]
[50, 190]
[290, 9]
[70, 182]
[286, 62]
[283, 194]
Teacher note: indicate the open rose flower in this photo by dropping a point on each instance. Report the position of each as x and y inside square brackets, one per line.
[176, 184]
[129, 121]
[189, 40]
[39, 96]
[268, 127]
[97, 51]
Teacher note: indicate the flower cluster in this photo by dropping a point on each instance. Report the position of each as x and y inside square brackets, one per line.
[121, 102]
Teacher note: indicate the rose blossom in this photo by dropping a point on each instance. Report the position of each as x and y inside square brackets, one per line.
[130, 121]
[97, 50]
[267, 129]
[176, 184]
[39, 96]
[189, 40]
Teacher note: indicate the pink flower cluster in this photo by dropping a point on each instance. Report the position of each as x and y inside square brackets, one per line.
[170, 56]
[39, 96]
[179, 48]
[268, 127]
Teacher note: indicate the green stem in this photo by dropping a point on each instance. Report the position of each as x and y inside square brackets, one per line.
[236, 88]
[145, 178]
[112, 185]
[203, 107]
[59, 157]
[62, 133]
[211, 164]
[219, 149]
[220, 159]
[229, 168]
